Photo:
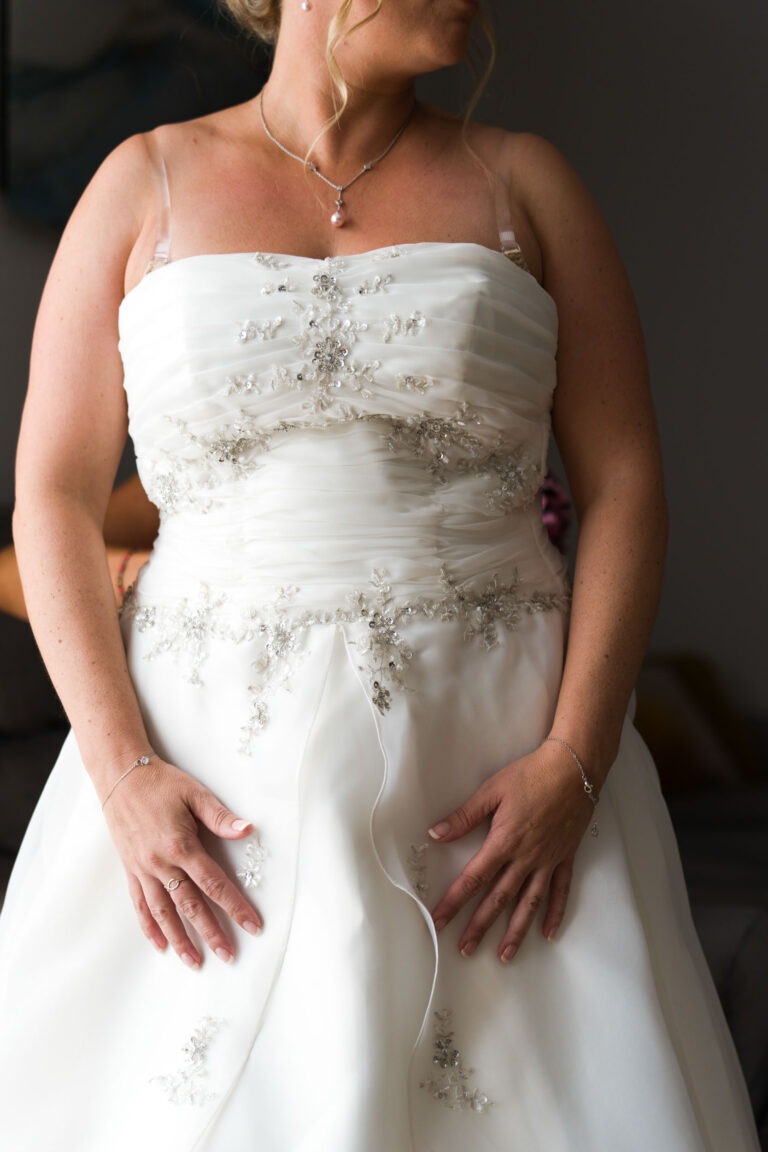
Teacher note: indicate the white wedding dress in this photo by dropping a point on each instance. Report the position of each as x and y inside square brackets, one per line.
[351, 617]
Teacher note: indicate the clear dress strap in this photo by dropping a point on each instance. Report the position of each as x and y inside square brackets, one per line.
[162, 251]
[507, 239]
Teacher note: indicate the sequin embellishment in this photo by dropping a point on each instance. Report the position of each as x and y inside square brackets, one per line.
[402, 326]
[374, 285]
[184, 629]
[187, 1084]
[376, 618]
[449, 1080]
[251, 871]
[265, 330]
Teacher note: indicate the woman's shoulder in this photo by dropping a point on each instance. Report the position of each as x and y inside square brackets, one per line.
[541, 181]
[519, 157]
[184, 137]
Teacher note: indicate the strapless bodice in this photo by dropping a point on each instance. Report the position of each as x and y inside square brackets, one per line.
[400, 395]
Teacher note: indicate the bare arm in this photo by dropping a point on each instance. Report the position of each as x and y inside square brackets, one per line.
[73, 432]
[606, 432]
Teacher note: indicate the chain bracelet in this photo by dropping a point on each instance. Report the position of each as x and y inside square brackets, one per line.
[139, 762]
[589, 788]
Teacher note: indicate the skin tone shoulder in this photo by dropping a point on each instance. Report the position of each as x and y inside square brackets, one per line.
[232, 190]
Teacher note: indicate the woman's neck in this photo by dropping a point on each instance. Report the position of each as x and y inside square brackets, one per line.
[299, 101]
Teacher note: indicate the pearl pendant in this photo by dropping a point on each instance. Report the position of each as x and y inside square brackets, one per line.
[338, 217]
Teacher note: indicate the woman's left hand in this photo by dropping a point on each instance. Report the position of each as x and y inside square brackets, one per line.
[539, 813]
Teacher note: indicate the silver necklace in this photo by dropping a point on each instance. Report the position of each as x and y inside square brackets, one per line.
[338, 216]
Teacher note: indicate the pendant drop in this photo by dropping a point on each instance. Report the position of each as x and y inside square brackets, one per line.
[338, 218]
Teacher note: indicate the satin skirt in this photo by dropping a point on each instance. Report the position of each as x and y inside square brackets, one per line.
[347, 1024]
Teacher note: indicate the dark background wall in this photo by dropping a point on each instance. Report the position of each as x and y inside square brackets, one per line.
[662, 107]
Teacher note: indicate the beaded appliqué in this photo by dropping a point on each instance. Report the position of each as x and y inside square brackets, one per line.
[268, 260]
[327, 338]
[285, 285]
[171, 487]
[431, 437]
[252, 868]
[374, 285]
[187, 1084]
[516, 477]
[264, 330]
[419, 384]
[395, 325]
[446, 446]
[279, 634]
[449, 1081]
[378, 622]
[235, 444]
[480, 610]
[417, 869]
[184, 630]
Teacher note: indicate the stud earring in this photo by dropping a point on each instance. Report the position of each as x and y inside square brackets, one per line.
[306, 5]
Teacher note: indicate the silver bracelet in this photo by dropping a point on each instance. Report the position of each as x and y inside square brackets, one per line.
[589, 788]
[138, 763]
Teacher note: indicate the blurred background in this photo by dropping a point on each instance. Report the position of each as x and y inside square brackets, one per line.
[662, 108]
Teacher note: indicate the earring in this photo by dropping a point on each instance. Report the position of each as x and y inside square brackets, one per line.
[306, 5]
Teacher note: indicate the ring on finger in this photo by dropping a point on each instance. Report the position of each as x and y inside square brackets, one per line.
[174, 883]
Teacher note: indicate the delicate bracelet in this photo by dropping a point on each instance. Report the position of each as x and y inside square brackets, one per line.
[139, 763]
[120, 575]
[588, 787]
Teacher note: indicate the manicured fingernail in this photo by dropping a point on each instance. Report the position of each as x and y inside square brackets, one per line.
[440, 924]
[469, 948]
[225, 955]
[158, 947]
[190, 960]
[440, 830]
[240, 825]
[252, 927]
[508, 953]
[550, 936]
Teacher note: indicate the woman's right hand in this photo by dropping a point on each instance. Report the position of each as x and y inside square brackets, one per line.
[153, 818]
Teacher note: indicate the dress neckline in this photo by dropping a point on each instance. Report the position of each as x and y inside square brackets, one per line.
[370, 253]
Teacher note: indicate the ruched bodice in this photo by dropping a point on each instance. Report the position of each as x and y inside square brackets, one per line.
[400, 396]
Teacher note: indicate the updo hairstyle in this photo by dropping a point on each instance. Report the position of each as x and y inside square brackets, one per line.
[260, 18]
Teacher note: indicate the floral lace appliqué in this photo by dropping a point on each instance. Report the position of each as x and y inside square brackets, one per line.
[449, 1082]
[187, 1085]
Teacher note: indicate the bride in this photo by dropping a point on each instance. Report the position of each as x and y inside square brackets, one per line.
[334, 749]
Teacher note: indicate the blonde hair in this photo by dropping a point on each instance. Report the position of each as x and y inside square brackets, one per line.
[261, 18]
[481, 71]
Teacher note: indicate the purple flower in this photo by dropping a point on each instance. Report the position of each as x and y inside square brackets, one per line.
[555, 510]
